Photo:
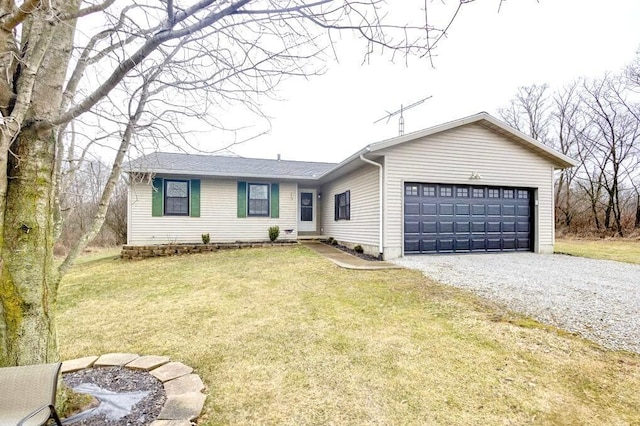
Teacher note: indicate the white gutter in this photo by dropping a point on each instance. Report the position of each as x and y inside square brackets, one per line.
[380, 169]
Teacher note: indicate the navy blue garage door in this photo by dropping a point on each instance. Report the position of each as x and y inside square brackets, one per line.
[466, 218]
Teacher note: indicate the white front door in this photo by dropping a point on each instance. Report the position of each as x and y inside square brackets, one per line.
[307, 199]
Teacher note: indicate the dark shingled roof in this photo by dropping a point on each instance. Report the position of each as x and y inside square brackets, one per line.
[219, 165]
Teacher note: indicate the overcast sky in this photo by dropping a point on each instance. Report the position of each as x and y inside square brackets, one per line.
[479, 67]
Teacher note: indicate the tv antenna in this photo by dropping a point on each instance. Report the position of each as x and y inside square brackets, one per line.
[401, 111]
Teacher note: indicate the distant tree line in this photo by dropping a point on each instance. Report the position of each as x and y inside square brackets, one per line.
[81, 190]
[597, 123]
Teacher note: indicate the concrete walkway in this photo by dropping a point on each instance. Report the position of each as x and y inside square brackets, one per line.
[346, 260]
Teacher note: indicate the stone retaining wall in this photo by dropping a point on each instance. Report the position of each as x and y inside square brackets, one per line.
[161, 250]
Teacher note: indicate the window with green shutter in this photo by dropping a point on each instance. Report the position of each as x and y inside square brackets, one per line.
[275, 200]
[175, 197]
[195, 198]
[258, 199]
[157, 191]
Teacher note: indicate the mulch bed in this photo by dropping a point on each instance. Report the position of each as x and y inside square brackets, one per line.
[352, 251]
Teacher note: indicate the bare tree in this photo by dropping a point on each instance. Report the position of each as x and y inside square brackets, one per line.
[566, 127]
[530, 111]
[38, 101]
[612, 137]
[550, 118]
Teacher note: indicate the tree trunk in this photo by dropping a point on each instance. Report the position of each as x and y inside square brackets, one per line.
[637, 222]
[28, 279]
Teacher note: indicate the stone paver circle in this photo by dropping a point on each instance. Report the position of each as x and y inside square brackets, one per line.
[183, 389]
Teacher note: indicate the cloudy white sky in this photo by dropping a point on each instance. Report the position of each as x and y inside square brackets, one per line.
[479, 67]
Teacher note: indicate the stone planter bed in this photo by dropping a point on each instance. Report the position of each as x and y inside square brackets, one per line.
[161, 250]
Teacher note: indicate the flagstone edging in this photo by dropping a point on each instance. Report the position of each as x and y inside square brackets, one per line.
[183, 389]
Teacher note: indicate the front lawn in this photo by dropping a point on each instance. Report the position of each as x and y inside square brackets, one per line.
[283, 336]
[622, 250]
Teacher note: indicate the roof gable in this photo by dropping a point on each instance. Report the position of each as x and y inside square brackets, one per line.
[558, 159]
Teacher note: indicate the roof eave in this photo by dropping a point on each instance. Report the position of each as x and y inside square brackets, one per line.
[221, 175]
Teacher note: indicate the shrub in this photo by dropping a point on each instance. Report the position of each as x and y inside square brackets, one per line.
[206, 238]
[334, 242]
[358, 249]
[274, 232]
[330, 240]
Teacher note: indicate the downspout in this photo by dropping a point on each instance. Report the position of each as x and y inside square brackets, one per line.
[380, 169]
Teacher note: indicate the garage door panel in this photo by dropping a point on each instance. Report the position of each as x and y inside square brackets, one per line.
[478, 244]
[412, 228]
[508, 243]
[429, 209]
[429, 246]
[493, 227]
[508, 227]
[508, 210]
[494, 210]
[446, 209]
[411, 245]
[463, 209]
[466, 218]
[494, 244]
[445, 227]
[462, 244]
[478, 227]
[429, 228]
[478, 210]
[445, 245]
[462, 227]
[411, 209]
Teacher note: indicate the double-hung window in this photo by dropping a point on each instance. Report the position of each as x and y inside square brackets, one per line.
[342, 206]
[176, 197]
[258, 194]
[258, 199]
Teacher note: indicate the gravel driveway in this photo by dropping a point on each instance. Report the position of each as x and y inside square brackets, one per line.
[599, 299]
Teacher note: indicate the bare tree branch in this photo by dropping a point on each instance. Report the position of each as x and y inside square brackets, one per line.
[86, 11]
[19, 14]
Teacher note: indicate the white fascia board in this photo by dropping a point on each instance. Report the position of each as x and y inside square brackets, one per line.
[222, 175]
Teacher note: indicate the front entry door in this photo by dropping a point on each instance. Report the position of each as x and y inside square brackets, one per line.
[307, 210]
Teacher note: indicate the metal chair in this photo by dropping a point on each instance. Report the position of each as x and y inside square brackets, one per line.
[28, 395]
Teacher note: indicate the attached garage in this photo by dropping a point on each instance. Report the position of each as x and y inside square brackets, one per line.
[466, 186]
[441, 218]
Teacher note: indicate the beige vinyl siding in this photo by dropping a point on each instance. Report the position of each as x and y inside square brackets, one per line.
[451, 157]
[218, 216]
[363, 226]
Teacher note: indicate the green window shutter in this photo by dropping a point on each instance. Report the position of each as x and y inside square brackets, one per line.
[242, 199]
[195, 198]
[348, 205]
[157, 192]
[275, 200]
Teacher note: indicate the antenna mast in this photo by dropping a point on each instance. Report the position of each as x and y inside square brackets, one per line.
[401, 111]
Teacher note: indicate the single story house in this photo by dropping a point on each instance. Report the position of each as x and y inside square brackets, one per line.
[469, 185]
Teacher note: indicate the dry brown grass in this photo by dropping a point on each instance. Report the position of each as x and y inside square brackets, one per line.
[282, 336]
[622, 250]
